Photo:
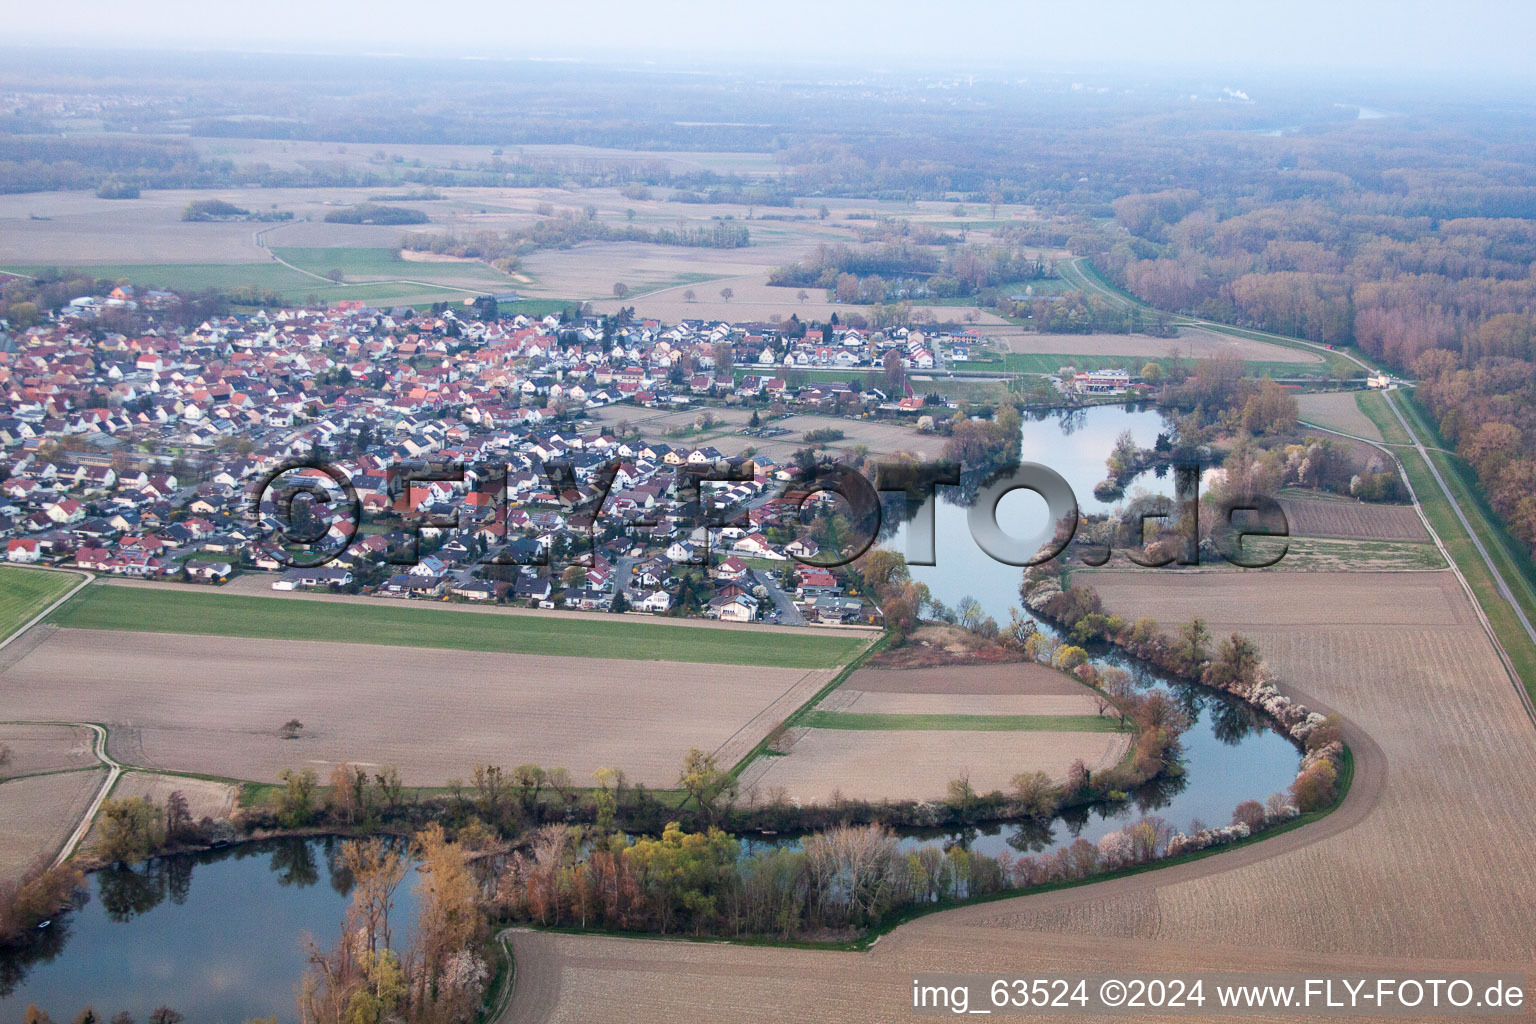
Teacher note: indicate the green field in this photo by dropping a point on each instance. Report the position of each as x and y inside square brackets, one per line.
[1500, 615]
[1331, 554]
[1374, 405]
[387, 264]
[961, 723]
[148, 609]
[25, 592]
[289, 285]
[1509, 555]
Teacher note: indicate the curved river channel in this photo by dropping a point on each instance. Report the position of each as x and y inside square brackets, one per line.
[219, 936]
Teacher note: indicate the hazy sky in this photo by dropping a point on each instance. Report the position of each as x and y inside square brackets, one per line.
[1472, 37]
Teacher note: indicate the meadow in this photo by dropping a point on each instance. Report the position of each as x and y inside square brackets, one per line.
[174, 611]
[25, 592]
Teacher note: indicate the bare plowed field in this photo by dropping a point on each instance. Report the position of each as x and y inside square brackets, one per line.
[213, 705]
[919, 764]
[1426, 867]
[1337, 410]
[38, 815]
[44, 748]
[1353, 520]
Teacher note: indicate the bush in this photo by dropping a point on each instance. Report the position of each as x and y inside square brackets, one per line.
[1250, 813]
[208, 209]
[1314, 787]
[374, 213]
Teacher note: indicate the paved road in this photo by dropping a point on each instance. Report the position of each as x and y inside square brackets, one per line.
[789, 615]
[1445, 552]
[1498, 578]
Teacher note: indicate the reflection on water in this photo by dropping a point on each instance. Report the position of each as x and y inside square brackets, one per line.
[1230, 753]
[217, 936]
[229, 947]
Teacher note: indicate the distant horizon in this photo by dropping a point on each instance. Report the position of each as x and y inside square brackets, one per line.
[1485, 41]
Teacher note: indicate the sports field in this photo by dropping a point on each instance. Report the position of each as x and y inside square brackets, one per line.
[158, 610]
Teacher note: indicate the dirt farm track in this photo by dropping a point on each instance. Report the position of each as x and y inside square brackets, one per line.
[1428, 866]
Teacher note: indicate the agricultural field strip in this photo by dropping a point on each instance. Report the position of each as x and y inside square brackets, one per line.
[861, 702]
[42, 748]
[1351, 520]
[1197, 344]
[39, 813]
[1080, 271]
[1361, 891]
[878, 722]
[1524, 683]
[463, 707]
[160, 610]
[1339, 410]
[918, 764]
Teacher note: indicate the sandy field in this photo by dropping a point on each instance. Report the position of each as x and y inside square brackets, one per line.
[214, 705]
[44, 748]
[205, 797]
[917, 764]
[825, 764]
[1192, 343]
[1353, 520]
[882, 437]
[1019, 678]
[1426, 866]
[38, 815]
[1337, 410]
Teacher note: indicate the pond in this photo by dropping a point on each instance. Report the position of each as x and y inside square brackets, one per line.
[217, 936]
[1230, 753]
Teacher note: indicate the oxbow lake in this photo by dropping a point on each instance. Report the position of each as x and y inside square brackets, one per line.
[220, 936]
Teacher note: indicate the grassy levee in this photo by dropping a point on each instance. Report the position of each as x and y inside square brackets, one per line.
[851, 720]
[147, 609]
[1500, 615]
[1513, 563]
[25, 592]
[1374, 405]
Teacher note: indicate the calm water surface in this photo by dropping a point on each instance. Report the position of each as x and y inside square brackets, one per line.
[220, 936]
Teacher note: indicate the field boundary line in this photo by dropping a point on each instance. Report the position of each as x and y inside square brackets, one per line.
[114, 772]
[264, 247]
[86, 580]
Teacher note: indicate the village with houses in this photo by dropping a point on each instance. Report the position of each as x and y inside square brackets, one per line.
[137, 456]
